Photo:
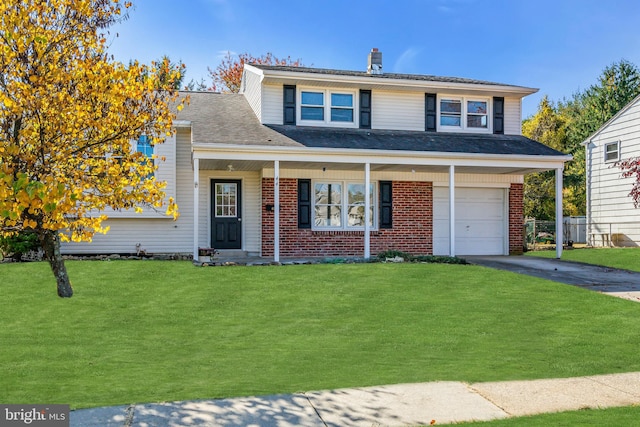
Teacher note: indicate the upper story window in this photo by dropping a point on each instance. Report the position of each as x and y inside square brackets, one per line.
[460, 114]
[328, 107]
[612, 151]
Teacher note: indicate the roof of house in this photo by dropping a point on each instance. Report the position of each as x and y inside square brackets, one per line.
[228, 119]
[385, 75]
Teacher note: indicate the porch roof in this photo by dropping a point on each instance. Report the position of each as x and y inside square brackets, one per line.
[227, 119]
[363, 139]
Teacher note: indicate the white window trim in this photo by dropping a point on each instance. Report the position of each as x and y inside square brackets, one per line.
[327, 108]
[617, 151]
[463, 119]
[344, 203]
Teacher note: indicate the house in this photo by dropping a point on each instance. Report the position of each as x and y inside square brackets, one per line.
[612, 219]
[318, 162]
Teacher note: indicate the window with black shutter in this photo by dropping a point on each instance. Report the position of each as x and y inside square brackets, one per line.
[386, 204]
[365, 109]
[430, 112]
[289, 102]
[304, 203]
[498, 115]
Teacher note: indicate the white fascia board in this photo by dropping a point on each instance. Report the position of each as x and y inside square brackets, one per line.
[328, 79]
[608, 122]
[423, 158]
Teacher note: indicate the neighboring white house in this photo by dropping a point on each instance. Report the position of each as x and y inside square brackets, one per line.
[611, 217]
[320, 162]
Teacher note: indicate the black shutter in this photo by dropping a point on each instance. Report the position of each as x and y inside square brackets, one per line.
[386, 204]
[498, 115]
[430, 112]
[289, 113]
[365, 109]
[304, 203]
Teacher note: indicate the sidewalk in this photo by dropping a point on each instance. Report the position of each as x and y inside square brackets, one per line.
[395, 405]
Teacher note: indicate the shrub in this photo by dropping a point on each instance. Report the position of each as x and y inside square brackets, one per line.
[421, 258]
[17, 245]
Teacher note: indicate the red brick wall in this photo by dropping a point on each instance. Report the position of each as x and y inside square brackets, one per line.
[412, 230]
[516, 218]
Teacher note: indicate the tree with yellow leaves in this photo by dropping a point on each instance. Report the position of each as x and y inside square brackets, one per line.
[68, 118]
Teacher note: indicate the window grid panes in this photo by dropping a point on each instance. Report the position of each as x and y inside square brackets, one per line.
[611, 152]
[355, 205]
[312, 106]
[477, 114]
[451, 112]
[341, 107]
[226, 200]
[328, 204]
[335, 208]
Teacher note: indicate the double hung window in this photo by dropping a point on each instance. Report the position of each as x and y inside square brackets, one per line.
[327, 107]
[612, 151]
[463, 114]
[341, 205]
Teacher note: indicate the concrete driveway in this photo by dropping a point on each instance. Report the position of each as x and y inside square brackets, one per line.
[611, 281]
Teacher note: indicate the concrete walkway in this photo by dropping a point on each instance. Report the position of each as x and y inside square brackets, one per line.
[395, 405]
[611, 281]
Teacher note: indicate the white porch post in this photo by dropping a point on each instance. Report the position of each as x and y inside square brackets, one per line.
[196, 179]
[452, 210]
[276, 211]
[559, 223]
[367, 214]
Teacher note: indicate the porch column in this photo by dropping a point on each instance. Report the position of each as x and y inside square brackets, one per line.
[559, 222]
[276, 211]
[452, 210]
[196, 179]
[367, 214]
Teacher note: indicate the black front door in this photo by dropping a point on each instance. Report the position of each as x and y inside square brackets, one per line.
[226, 214]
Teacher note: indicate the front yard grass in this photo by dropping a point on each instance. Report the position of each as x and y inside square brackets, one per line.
[150, 331]
[626, 258]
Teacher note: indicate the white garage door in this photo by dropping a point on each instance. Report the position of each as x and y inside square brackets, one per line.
[481, 221]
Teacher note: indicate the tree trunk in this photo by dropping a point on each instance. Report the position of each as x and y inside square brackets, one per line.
[51, 244]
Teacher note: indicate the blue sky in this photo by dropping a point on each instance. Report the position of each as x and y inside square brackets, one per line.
[558, 46]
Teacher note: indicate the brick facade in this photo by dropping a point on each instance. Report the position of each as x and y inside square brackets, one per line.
[516, 219]
[412, 230]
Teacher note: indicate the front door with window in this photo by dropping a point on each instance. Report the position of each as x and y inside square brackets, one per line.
[226, 214]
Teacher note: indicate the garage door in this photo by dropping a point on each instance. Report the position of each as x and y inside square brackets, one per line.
[481, 221]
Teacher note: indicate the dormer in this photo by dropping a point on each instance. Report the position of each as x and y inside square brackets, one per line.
[372, 99]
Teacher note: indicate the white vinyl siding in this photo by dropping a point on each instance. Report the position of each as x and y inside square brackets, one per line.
[154, 232]
[272, 104]
[397, 110]
[512, 116]
[252, 92]
[610, 206]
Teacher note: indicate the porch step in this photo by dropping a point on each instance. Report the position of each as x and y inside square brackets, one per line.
[231, 253]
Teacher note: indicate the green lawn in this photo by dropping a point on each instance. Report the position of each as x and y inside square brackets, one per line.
[147, 331]
[627, 258]
[624, 416]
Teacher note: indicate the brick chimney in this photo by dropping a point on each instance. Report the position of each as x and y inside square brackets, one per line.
[375, 62]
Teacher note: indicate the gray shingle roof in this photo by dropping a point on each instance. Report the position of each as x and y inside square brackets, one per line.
[228, 119]
[398, 76]
[415, 141]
